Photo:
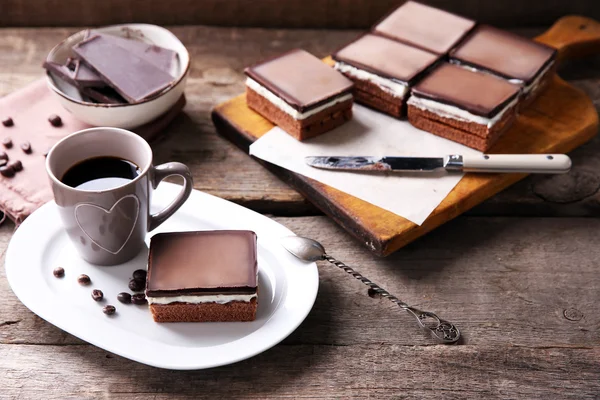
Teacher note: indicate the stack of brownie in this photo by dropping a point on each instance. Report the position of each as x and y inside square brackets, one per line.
[109, 69]
[450, 76]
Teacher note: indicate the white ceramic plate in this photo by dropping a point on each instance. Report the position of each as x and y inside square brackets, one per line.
[288, 288]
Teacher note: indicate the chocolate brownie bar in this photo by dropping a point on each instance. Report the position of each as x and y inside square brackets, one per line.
[469, 107]
[423, 26]
[206, 276]
[383, 71]
[300, 93]
[510, 56]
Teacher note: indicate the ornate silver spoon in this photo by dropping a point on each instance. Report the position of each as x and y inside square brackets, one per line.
[311, 250]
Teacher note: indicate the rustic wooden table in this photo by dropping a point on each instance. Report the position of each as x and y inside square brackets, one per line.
[519, 274]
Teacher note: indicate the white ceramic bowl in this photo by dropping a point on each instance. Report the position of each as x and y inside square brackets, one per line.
[122, 115]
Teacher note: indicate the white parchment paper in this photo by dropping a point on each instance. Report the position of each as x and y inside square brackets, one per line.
[413, 196]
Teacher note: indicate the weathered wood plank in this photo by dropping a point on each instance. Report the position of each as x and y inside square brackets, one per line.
[307, 371]
[273, 13]
[501, 280]
[219, 56]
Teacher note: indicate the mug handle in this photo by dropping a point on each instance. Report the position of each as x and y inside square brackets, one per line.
[161, 172]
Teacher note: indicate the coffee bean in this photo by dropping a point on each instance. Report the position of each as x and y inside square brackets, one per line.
[139, 274]
[58, 272]
[137, 285]
[55, 120]
[7, 142]
[139, 299]
[84, 280]
[3, 155]
[97, 295]
[124, 297]
[8, 121]
[109, 310]
[7, 171]
[26, 147]
[17, 166]
[3, 162]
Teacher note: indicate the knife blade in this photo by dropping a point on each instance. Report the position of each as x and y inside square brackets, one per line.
[488, 163]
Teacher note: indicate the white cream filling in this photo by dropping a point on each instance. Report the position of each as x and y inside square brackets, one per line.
[213, 298]
[285, 107]
[394, 88]
[536, 82]
[453, 112]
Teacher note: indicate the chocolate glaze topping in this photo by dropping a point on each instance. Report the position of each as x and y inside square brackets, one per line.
[300, 79]
[202, 263]
[423, 26]
[477, 92]
[504, 53]
[387, 58]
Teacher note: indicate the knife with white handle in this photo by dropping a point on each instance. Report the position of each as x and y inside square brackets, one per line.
[488, 163]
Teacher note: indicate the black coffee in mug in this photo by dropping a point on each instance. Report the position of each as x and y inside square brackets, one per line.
[100, 173]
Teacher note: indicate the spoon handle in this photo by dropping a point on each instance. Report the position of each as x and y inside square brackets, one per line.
[440, 329]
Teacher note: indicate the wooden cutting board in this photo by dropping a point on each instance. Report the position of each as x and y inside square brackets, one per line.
[561, 119]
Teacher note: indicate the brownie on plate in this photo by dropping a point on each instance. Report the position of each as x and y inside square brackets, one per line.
[299, 93]
[205, 276]
[383, 70]
[470, 107]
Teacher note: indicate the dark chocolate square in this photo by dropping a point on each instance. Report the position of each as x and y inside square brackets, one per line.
[386, 57]
[504, 53]
[426, 27]
[300, 79]
[202, 262]
[479, 93]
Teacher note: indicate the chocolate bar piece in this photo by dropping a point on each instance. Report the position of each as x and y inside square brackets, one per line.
[132, 77]
[203, 276]
[300, 93]
[423, 26]
[383, 71]
[105, 95]
[469, 107]
[86, 77]
[158, 56]
[508, 55]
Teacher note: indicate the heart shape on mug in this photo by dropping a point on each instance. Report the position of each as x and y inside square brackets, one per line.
[109, 229]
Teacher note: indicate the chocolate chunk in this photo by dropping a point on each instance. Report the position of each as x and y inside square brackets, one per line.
[139, 274]
[109, 310]
[139, 299]
[124, 297]
[7, 171]
[8, 121]
[159, 56]
[137, 285]
[3, 155]
[55, 120]
[26, 147]
[7, 142]
[84, 280]
[17, 166]
[3, 162]
[97, 295]
[58, 272]
[132, 77]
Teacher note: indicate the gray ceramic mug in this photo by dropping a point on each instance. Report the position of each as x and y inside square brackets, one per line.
[109, 226]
